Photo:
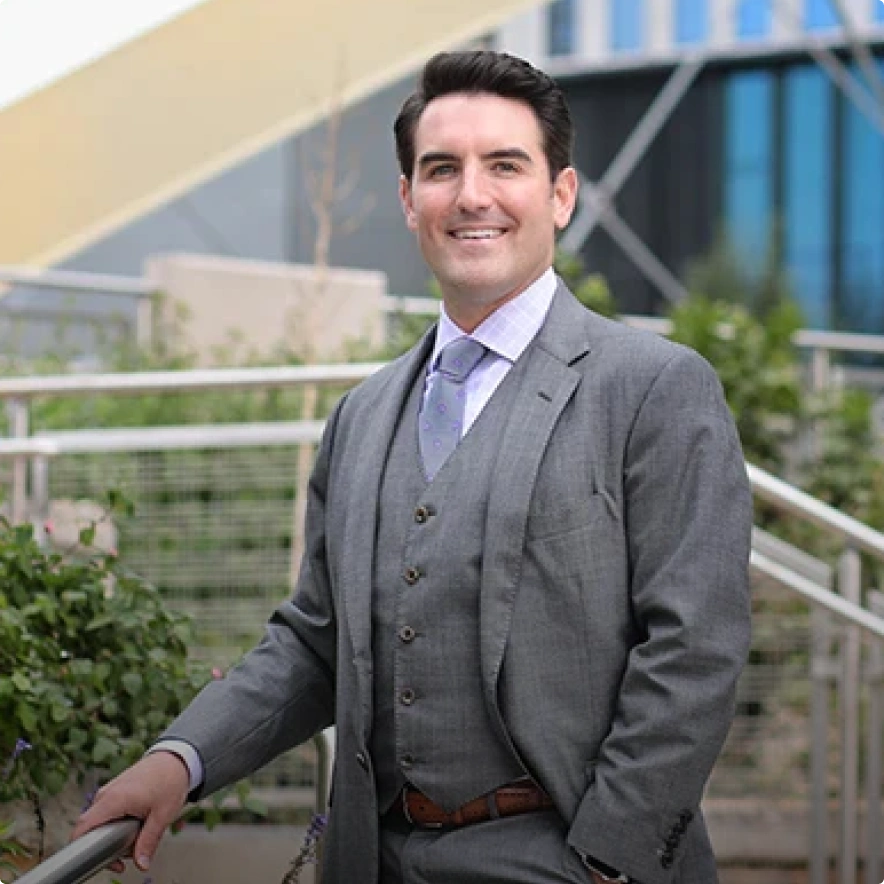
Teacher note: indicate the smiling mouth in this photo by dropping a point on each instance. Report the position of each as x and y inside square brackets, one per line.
[473, 235]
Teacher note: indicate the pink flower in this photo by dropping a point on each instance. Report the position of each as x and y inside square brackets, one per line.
[48, 527]
[217, 673]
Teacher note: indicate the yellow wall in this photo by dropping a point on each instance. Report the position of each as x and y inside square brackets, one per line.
[195, 96]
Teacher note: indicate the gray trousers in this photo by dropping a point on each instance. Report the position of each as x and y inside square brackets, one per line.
[526, 849]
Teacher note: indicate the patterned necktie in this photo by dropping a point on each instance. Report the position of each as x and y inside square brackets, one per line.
[441, 421]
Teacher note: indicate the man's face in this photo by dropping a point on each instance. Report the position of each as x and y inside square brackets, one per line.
[481, 201]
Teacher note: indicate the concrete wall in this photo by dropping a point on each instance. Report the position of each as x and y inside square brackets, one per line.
[262, 308]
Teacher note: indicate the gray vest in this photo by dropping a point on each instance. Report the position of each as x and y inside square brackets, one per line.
[431, 725]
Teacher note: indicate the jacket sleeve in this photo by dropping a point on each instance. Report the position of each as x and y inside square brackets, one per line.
[282, 692]
[688, 513]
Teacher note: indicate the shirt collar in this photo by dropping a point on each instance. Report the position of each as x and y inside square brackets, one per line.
[508, 330]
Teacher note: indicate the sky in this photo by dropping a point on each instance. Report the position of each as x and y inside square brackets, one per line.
[42, 40]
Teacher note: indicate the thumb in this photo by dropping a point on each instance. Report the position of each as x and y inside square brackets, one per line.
[148, 840]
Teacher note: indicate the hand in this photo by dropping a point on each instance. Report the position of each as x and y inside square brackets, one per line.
[154, 790]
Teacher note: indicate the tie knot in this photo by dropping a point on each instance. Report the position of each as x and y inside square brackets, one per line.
[460, 357]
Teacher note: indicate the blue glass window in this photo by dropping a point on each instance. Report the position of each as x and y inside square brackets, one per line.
[627, 25]
[691, 21]
[878, 14]
[562, 22]
[753, 19]
[861, 306]
[808, 190]
[749, 165]
[820, 14]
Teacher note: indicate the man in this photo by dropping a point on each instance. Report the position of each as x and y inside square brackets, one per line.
[523, 601]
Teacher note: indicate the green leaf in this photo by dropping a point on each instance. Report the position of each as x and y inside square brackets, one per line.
[60, 713]
[87, 535]
[21, 681]
[103, 751]
[77, 739]
[27, 718]
[255, 806]
[132, 683]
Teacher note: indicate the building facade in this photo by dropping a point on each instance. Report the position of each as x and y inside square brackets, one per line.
[764, 148]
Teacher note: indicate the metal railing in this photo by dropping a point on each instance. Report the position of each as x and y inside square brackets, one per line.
[771, 559]
[845, 670]
[88, 855]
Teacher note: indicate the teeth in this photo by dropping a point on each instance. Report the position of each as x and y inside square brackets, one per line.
[477, 234]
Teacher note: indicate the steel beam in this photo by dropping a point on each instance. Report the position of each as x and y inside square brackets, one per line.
[634, 149]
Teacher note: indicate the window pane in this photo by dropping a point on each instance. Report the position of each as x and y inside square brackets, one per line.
[820, 14]
[691, 21]
[862, 258]
[808, 190]
[753, 19]
[749, 166]
[561, 18]
[627, 25]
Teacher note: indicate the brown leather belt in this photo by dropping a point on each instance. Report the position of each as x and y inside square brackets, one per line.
[506, 801]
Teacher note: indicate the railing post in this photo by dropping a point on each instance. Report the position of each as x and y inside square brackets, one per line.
[304, 467]
[820, 368]
[324, 761]
[17, 411]
[822, 671]
[850, 587]
[40, 496]
[875, 750]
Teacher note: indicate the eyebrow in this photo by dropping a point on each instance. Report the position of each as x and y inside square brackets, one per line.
[507, 153]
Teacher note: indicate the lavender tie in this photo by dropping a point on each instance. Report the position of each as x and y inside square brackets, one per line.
[441, 420]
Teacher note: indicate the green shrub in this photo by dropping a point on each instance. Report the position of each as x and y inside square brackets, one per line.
[92, 665]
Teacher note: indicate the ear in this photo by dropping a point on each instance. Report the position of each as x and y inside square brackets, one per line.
[406, 201]
[565, 189]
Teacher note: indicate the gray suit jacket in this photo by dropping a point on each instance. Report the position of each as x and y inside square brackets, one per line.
[614, 612]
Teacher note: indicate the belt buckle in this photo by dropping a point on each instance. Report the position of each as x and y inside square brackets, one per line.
[408, 816]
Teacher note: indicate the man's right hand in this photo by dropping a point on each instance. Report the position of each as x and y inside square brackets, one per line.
[154, 790]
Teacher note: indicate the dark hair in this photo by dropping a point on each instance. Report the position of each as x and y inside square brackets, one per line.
[495, 73]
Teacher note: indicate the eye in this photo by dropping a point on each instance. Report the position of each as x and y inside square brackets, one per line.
[442, 170]
[506, 167]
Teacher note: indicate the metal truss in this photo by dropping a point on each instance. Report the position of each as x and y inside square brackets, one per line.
[596, 206]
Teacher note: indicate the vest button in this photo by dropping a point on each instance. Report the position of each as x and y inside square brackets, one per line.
[406, 697]
[407, 634]
[421, 514]
[361, 760]
[412, 575]
[407, 760]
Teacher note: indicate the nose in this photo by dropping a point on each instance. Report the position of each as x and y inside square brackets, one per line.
[474, 194]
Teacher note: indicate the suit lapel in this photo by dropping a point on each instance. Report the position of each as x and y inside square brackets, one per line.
[378, 416]
[548, 384]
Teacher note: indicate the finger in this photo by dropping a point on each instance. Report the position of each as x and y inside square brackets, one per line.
[97, 815]
[148, 840]
[117, 866]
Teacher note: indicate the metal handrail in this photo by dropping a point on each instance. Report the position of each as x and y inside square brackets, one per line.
[798, 503]
[818, 595]
[136, 383]
[89, 854]
[81, 859]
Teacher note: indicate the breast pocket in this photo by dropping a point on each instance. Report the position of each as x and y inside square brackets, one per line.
[568, 491]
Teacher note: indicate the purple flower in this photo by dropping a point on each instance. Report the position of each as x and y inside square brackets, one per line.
[307, 853]
[20, 746]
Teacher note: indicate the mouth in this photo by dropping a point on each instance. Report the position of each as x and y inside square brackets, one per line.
[477, 234]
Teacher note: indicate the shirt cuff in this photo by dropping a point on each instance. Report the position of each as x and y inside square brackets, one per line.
[187, 754]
